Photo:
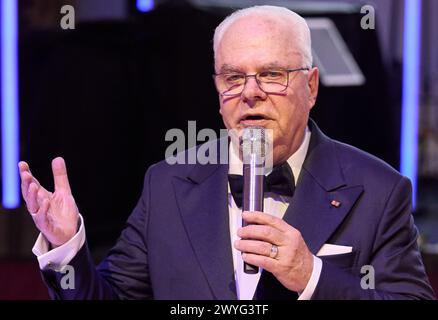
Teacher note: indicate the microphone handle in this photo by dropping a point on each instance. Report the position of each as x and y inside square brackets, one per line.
[252, 195]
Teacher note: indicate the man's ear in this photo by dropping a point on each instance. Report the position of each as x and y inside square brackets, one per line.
[313, 84]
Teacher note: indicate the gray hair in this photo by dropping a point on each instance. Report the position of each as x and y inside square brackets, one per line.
[297, 24]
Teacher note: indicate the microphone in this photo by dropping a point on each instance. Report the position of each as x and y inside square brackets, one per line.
[253, 154]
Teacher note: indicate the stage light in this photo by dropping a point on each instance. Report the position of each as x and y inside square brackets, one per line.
[410, 95]
[145, 5]
[9, 103]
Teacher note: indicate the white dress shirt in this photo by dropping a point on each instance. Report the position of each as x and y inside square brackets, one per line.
[246, 284]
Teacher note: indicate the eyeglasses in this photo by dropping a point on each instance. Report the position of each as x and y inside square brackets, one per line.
[270, 81]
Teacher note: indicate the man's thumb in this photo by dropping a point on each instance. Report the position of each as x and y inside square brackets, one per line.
[60, 175]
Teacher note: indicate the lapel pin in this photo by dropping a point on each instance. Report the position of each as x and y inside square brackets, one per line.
[335, 203]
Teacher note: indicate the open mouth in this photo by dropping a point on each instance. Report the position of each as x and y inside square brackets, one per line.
[254, 117]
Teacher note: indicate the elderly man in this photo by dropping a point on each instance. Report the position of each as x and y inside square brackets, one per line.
[342, 209]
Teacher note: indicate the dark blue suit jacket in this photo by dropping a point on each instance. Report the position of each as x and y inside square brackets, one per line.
[176, 244]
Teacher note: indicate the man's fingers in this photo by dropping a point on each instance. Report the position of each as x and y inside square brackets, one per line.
[40, 217]
[60, 175]
[26, 178]
[261, 232]
[254, 246]
[44, 207]
[256, 217]
[23, 166]
[25, 173]
[32, 198]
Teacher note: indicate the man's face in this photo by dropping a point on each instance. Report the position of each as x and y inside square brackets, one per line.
[251, 45]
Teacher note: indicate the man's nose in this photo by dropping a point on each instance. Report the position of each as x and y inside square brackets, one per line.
[251, 91]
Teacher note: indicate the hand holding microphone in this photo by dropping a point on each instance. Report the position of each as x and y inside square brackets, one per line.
[282, 250]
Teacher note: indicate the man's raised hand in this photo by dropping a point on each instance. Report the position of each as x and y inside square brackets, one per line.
[54, 214]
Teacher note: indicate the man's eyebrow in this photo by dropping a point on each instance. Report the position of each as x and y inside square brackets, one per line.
[273, 66]
[227, 68]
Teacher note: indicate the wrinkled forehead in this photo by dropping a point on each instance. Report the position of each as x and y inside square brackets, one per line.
[257, 40]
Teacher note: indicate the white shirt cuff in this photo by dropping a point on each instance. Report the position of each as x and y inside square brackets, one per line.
[59, 257]
[313, 281]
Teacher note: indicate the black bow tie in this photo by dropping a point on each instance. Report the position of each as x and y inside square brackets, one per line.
[280, 181]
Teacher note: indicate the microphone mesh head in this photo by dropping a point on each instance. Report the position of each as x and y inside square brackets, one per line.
[253, 141]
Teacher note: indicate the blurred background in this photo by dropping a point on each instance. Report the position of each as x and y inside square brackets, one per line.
[102, 86]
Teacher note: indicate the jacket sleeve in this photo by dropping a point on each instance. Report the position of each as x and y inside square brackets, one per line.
[398, 267]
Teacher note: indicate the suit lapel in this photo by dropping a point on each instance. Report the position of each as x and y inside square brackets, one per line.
[203, 204]
[320, 182]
